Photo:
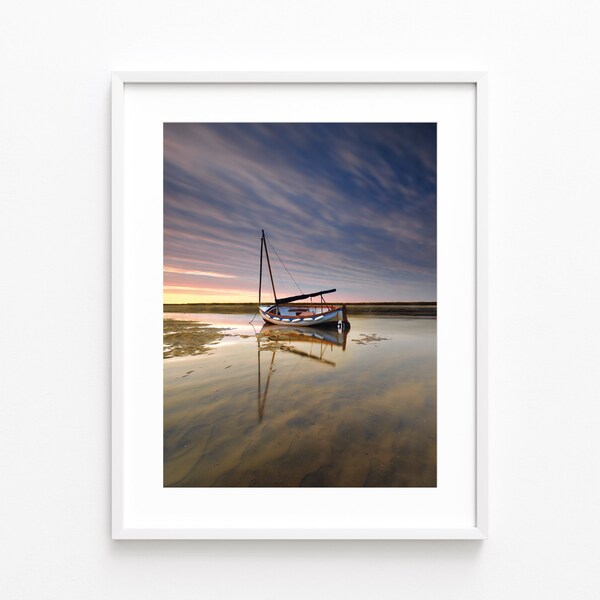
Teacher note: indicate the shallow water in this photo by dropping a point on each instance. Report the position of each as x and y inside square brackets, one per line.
[270, 406]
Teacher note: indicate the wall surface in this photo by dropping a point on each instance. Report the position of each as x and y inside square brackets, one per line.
[543, 60]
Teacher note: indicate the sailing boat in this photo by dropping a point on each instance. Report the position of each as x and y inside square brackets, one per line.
[289, 312]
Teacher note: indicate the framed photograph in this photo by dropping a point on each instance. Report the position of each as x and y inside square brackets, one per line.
[299, 306]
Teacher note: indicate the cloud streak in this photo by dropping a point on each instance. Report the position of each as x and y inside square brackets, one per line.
[199, 273]
[351, 206]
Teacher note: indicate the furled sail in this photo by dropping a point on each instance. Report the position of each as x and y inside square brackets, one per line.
[302, 296]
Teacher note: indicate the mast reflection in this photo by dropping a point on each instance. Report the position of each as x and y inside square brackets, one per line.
[314, 343]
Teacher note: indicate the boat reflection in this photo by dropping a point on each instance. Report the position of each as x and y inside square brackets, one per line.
[308, 342]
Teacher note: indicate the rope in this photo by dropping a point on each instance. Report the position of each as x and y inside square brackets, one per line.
[283, 265]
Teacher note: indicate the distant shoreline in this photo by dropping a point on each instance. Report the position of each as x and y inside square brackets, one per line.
[420, 309]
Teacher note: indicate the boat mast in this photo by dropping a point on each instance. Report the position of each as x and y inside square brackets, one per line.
[264, 242]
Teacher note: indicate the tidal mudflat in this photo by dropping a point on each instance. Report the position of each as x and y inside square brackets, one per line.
[255, 405]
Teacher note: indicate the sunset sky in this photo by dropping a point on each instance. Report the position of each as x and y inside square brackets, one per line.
[350, 206]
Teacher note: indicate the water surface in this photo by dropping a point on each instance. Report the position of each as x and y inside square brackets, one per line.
[269, 406]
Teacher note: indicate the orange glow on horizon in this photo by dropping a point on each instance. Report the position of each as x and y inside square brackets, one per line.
[191, 295]
[173, 294]
[199, 299]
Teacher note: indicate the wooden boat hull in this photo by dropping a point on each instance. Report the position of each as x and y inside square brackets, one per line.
[331, 317]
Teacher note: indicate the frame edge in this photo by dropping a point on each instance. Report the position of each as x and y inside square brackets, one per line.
[117, 295]
[119, 79]
[481, 174]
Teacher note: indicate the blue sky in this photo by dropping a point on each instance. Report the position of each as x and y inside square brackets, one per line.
[346, 205]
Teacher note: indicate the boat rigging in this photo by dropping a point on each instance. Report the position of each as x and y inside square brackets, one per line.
[284, 311]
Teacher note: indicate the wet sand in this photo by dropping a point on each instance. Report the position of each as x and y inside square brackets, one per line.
[276, 408]
[188, 338]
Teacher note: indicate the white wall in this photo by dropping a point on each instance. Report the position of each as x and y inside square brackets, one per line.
[543, 60]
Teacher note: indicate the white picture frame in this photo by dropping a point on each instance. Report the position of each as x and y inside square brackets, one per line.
[133, 515]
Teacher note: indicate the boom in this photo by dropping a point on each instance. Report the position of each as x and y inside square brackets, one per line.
[302, 296]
